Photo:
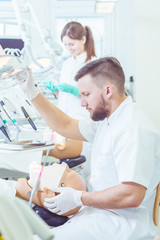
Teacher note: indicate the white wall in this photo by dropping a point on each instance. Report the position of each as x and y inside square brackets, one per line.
[137, 46]
[148, 58]
[124, 21]
[120, 38]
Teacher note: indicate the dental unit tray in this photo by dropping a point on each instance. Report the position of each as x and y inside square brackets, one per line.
[23, 145]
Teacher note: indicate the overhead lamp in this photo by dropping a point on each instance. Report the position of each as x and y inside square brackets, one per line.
[12, 71]
[104, 7]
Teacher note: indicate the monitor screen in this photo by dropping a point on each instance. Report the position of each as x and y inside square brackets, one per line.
[11, 43]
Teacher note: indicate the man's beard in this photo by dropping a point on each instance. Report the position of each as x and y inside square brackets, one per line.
[98, 116]
[100, 112]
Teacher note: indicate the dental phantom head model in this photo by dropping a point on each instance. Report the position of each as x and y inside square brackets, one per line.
[55, 175]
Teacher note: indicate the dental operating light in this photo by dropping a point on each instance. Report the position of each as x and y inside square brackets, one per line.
[12, 71]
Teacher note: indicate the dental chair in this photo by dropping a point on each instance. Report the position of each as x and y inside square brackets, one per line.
[19, 222]
[75, 163]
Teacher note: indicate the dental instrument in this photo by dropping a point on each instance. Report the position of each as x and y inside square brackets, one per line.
[37, 181]
[2, 128]
[35, 187]
[28, 102]
[28, 118]
[9, 116]
[11, 107]
[4, 121]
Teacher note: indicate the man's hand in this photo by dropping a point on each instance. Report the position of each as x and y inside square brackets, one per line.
[50, 85]
[65, 87]
[28, 86]
[67, 200]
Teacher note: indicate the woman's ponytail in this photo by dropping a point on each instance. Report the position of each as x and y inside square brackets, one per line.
[89, 45]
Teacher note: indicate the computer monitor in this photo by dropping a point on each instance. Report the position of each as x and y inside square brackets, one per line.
[11, 43]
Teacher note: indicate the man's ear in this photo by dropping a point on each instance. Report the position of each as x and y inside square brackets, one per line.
[108, 90]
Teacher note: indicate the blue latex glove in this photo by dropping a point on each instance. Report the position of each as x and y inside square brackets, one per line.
[64, 87]
[50, 85]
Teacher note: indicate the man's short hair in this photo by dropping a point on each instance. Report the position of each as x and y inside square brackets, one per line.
[107, 69]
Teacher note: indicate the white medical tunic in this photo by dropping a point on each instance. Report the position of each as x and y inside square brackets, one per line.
[126, 147]
[69, 103]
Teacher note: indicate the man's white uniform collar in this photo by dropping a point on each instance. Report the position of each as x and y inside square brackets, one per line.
[118, 111]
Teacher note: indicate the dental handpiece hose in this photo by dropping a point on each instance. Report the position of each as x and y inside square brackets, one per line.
[28, 118]
[9, 116]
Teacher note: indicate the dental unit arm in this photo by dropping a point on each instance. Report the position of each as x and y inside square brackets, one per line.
[52, 48]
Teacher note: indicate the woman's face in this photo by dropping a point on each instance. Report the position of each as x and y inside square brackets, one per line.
[74, 46]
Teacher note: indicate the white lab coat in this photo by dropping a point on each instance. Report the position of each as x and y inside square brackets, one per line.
[126, 147]
[71, 104]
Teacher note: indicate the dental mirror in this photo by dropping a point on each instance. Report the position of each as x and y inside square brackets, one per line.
[12, 71]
